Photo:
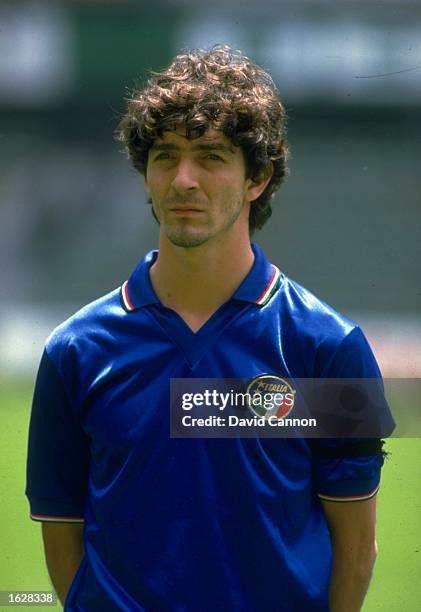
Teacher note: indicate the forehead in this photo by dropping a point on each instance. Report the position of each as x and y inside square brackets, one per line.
[212, 138]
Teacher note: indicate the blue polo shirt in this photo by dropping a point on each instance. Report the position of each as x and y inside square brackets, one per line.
[192, 524]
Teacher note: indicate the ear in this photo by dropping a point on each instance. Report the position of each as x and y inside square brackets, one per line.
[255, 189]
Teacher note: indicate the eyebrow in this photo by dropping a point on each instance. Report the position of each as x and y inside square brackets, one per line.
[210, 146]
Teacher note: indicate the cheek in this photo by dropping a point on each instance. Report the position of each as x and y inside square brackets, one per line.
[153, 188]
[232, 192]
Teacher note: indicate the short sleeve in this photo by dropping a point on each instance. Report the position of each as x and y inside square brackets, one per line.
[58, 452]
[349, 469]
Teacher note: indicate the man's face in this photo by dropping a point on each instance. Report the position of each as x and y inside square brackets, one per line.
[198, 187]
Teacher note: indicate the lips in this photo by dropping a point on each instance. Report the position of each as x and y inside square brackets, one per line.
[187, 209]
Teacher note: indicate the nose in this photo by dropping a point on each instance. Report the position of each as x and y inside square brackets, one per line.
[185, 178]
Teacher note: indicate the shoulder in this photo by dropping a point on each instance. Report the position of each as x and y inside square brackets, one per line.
[84, 345]
[336, 343]
[305, 312]
[85, 326]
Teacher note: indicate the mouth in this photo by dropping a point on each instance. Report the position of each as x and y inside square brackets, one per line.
[186, 211]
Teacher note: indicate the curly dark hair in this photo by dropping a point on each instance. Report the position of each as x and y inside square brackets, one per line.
[220, 88]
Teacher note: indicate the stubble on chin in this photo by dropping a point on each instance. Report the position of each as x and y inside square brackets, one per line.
[188, 240]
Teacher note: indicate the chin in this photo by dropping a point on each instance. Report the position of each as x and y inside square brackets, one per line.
[187, 242]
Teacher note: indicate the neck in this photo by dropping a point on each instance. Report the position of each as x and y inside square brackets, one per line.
[195, 282]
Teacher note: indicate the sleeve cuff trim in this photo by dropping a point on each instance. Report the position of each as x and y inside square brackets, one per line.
[351, 498]
[56, 519]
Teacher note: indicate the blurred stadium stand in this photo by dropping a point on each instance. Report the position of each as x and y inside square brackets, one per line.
[73, 218]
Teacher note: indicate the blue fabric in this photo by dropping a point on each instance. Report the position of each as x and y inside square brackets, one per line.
[197, 524]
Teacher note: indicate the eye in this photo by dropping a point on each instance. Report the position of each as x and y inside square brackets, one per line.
[214, 157]
[162, 156]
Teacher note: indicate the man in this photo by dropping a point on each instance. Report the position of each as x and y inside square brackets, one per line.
[133, 519]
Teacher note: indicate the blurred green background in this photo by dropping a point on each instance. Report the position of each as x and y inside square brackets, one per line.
[74, 222]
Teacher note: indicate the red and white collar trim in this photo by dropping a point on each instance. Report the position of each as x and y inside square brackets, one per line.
[270, 287]
[128, 304]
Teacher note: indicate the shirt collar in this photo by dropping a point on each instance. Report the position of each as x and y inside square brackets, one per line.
[137, 291]
[258, 287]
[261, 282]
